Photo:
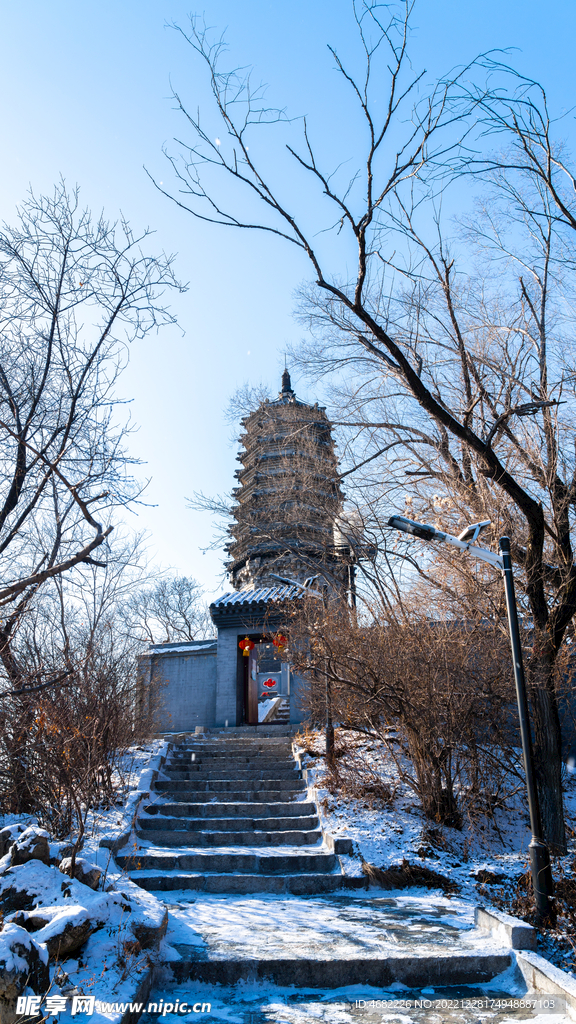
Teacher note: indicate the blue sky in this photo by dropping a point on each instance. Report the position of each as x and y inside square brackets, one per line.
[85, 93]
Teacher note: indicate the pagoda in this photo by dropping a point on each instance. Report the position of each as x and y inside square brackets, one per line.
[288, 498]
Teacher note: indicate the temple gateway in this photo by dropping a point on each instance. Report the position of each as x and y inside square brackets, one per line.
[285, 539]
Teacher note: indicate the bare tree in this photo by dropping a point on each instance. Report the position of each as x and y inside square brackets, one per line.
[245, 400]
[467, 385]
[74, 291]
[62, 741]
[490, 344]
[172, 609]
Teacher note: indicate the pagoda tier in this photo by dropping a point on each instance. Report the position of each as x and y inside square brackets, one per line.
[288, 497]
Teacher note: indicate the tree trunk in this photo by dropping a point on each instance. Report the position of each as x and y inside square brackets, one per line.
[547, 750]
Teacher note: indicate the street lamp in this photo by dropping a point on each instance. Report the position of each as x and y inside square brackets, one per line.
[539, 855]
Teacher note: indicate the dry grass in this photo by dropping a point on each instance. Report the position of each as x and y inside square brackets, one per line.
[516, 897]
[351, 776]
[406, 875]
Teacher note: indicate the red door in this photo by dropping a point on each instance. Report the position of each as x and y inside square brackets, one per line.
[252, 689]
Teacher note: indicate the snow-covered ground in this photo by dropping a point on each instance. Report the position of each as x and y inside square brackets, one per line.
[112, 961]
[341, 925]
[484, 859]
[255, 1003]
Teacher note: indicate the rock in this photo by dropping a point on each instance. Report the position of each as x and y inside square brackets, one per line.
[31, 922]
[62, 929]
[427, 852]
[32, 844]
[70, 937]
[35, 884]
[485, 877]
[16, 899]
[23, 963]
[58, 851]
[148, 935]
[85, 872]
[8, 836]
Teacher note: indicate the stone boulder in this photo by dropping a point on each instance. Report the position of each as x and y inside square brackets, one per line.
[15, 897]
[8, 836]
[32, 844]
[23, 963]
[60, 851]
[485, 877]
[65, 929]
[61, 929]
[85, 872]
[147, 932]
[31, 921]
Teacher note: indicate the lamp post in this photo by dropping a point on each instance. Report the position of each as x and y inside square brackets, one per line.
[541, 871]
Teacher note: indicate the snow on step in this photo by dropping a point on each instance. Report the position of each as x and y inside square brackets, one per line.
[326, 941]
[231, 816]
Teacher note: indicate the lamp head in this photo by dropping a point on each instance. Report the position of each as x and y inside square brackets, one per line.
[472, 532]
[416, 529]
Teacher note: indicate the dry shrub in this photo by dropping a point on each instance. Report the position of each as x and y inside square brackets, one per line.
[517, 898]
[61, 750]
[306, 740]
[349, 774]
[438, 695]
[406, 875]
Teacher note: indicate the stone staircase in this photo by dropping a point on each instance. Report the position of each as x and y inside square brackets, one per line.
[255, 895]
[232, 817]
[281, 713]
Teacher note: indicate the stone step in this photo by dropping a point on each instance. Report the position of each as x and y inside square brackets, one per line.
[214, 786]
[241, 774]
[248, 837]
[276, 754]
[254, 810]
[242, 733]
[211, 882]
[264, 753]
[233, 817]
[245, 764]
[213, 797]
[233, 824]
[234, 744]
[410, 972]
[262, 862]
[258, 756]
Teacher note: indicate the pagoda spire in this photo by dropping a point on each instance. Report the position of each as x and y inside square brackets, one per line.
[286, 384]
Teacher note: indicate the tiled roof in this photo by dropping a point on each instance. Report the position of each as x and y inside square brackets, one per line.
[262, 595]
[177, 648]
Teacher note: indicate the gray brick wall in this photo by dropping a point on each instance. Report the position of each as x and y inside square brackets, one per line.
[185, 686]
[228, 688]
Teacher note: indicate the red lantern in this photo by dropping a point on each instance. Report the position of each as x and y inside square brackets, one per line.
[269, 682]
[246, 646]
[280, 642]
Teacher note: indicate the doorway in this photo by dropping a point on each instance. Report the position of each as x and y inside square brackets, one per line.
[262, 675]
